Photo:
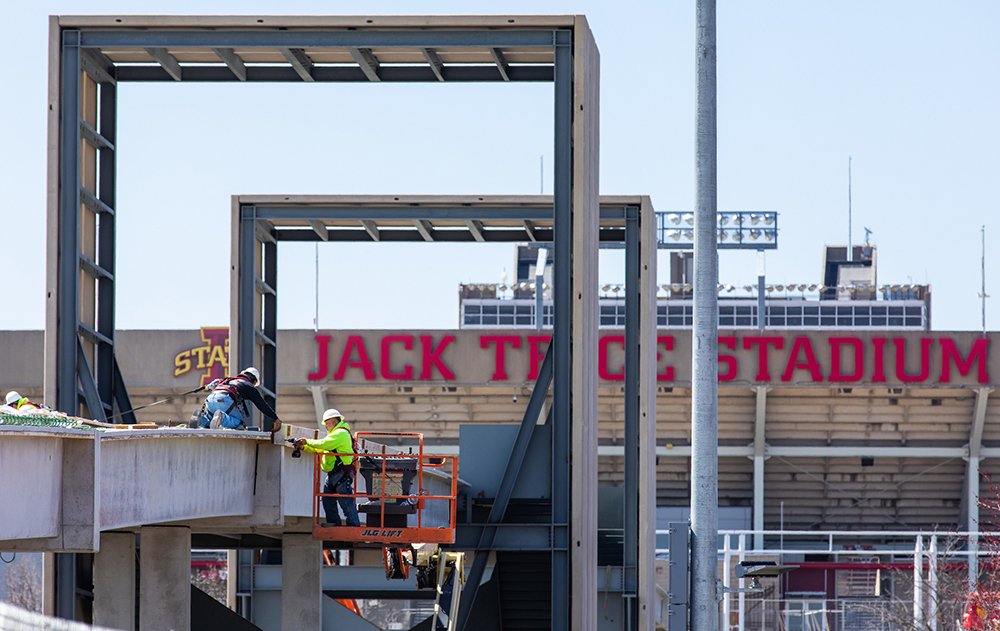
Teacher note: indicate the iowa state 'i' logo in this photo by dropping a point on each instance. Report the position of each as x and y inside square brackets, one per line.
[213, 357]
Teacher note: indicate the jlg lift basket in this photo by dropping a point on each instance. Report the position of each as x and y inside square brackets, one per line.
[395, 498]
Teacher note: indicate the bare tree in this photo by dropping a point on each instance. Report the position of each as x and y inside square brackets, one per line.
[24, 584]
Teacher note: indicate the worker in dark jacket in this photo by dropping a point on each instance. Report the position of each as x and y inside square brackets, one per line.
[226, 406]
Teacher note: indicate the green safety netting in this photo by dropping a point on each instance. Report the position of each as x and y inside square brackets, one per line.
[42, 421]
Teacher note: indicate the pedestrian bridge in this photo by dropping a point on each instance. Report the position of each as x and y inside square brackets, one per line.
[64, 486]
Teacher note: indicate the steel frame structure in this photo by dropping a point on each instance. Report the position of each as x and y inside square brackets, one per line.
[89, 56]
[260, 223]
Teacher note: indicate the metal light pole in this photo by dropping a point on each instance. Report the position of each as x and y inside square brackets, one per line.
[704, 383]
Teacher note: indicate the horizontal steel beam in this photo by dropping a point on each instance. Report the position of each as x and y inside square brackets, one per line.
[435, 62]
[93, 269]
[89, 200]
[233, 62]
[177, 38]
[496, 235]
[96, 140]
[339, 74]
[455, 213]
[93, 336]
[684, 451]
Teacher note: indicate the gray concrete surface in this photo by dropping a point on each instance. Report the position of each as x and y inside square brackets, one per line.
[165, 578]
[114, 581]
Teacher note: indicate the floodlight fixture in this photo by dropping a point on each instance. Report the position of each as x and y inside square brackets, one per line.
[674, 218]
[812, 287]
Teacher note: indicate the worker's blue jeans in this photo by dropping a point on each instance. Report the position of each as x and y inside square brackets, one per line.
[341, 483]
[220, 400]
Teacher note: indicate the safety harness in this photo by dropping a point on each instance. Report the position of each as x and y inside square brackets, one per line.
[230, 388]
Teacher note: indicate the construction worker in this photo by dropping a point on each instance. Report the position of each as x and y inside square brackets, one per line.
[339, 468]
[22, 404]
[226, 406]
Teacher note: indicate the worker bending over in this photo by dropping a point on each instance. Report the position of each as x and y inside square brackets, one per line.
[22, 404]
[226, 406]
[339, 468]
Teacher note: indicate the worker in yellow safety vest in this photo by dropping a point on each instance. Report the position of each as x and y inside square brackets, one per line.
[339, 468]
[19, 403]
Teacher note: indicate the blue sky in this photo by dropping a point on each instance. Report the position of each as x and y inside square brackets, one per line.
[909, 90]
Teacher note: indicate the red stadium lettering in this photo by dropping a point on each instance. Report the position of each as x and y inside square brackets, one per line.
[501, 342]
[925, 360]
[950, 353]
[836, 349]
[355, 342]
[729, 341]
[602, 358]
[432, 357]
[804, 346]
[763, 343]
[535, 354]
[322, 352]
[668, 345]
[386, 361]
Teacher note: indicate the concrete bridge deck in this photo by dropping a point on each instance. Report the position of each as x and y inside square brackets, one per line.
[63, 487]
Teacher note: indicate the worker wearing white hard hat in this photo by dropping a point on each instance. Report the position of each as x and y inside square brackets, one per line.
[339, 468]
[226, 406]
[22, 404]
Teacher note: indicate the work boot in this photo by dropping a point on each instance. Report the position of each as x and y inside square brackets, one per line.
[216, 420]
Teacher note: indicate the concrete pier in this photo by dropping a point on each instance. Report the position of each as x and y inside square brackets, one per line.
[114, 581]
[165, 578]
[301, 598]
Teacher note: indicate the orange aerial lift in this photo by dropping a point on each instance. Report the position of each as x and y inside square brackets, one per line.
[395, 496]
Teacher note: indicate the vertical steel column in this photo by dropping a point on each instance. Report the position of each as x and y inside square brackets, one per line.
[68, 301]
[632, 341]
[562, 374]
[247, 297]
[106, 244]
[269, 352]
[705, 386]
[67, 399]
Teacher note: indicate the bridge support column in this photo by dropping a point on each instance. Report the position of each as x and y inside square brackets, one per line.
[165, 578]
[114, 581]
[301, 589]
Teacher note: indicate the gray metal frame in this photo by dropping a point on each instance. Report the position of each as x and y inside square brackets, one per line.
[91, 48]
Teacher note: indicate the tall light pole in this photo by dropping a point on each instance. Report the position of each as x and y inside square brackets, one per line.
[705, 338]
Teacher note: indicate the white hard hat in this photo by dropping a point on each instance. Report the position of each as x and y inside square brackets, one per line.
[253, 372]
[331, 413]
[13, 397]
